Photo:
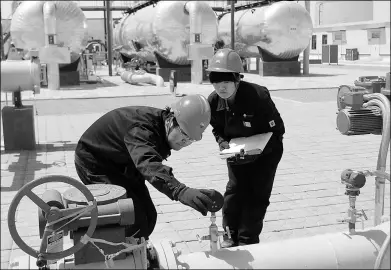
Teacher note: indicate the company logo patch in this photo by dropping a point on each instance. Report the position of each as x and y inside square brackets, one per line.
[247, 124]
[272, 123]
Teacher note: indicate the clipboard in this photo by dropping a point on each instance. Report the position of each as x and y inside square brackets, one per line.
[253, 145]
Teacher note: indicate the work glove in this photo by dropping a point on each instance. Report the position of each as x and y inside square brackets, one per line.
[199, 199]
[223, 145]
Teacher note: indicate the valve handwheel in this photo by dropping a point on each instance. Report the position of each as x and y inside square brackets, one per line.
[52, 214]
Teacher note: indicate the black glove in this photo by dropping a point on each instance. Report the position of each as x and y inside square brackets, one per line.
[223, 145]
[199, 199]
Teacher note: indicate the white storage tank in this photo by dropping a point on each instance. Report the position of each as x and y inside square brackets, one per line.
[164, 29]
[27, 26]
[283, 29]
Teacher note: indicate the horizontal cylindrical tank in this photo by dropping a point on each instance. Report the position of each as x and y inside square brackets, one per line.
[325, 251]
[20, 75]
[164, 29]
[283, 29]
[27, 26]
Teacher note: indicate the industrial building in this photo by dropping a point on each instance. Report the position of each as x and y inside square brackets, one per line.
[361, 27]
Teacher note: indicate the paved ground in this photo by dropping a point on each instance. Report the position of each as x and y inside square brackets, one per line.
[307, 198]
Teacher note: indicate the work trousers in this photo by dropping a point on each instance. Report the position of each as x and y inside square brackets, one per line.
[247, 195]
[145, 211]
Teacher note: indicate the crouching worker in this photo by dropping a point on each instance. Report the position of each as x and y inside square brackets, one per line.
[243, 109]
[127, 146]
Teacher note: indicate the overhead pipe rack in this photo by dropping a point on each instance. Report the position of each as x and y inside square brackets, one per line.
[133, 10]
[246, 6]
[92, 8]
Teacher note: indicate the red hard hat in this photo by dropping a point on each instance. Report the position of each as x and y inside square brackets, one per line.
[193, 115]
[226, 60]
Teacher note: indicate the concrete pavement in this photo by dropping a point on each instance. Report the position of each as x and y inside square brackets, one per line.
[307, 198]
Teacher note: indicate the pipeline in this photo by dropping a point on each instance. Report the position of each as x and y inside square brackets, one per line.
[138, 76]
[384, 104]
[382, 253]
[327, 251]
[20, 75]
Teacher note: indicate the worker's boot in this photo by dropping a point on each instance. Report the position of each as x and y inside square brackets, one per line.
[228, 243]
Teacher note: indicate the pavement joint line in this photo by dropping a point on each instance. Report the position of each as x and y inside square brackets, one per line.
[299, 89]
[287, 99]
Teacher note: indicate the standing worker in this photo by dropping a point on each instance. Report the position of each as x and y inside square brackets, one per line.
[127, 146]
[242, 109]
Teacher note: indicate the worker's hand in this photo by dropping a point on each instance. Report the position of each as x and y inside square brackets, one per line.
[224, 145]
[199, 199]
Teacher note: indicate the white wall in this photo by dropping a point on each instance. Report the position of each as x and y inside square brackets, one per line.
[333, 12]
[354, 39]
[381, 11]
[338, 13]
[349, 11]
[358, 39]
[385, 48]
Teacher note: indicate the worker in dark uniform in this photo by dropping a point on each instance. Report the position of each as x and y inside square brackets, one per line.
[242, 109]
[127, 146]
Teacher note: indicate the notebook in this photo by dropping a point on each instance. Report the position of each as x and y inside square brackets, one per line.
[252, 145]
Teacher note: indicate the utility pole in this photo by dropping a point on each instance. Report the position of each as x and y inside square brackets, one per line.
[232, 24]
[306, 54]
[109, 37]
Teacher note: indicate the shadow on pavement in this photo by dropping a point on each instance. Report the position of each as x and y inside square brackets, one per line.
[29, 159]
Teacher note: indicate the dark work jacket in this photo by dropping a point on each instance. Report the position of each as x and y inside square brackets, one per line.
[252, 112]
[131, 141]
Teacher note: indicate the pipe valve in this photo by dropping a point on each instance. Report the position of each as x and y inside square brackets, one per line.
[214, 234]
[353, 217]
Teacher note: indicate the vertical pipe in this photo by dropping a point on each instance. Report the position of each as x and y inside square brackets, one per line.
[352, 213]
[383, 103]
[201, 18]
[109, 37]
[232, 24]
[104, 24]
[2, 41]
[306, 54]
[195, 21]
[319, 12]
[50, 25]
